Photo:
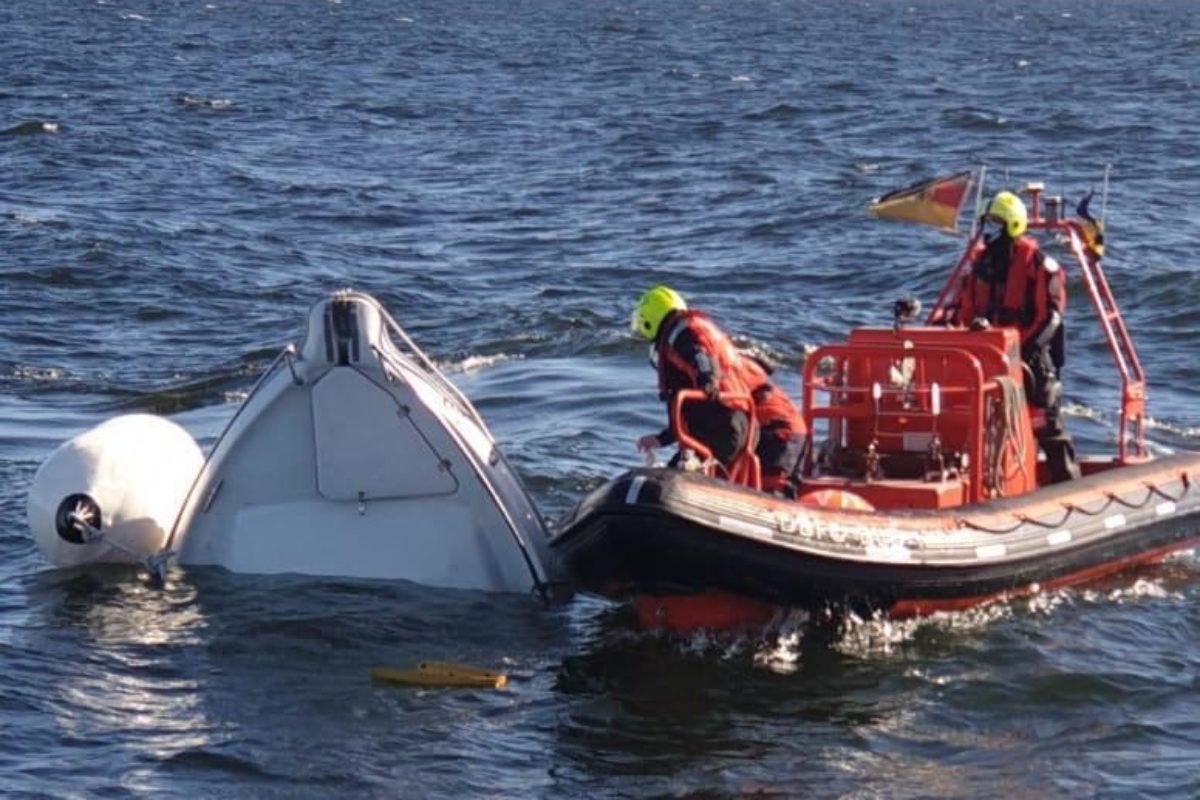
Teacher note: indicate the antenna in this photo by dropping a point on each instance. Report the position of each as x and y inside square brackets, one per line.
[1104, 195]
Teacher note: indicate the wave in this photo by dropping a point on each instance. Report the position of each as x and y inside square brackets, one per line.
[475, 363]
[36, 374]
[780, 111]
[1182, 431]
[780, 645]
[974, 119]
[221, 387]
[32, 220]
[33, 127]
[213, 103]
[54, 276]
[1107, 418]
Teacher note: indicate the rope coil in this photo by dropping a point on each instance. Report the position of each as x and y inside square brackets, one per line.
[1002, 421]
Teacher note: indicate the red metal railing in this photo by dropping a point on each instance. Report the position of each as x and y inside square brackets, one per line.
[744, 467]
[838, 410]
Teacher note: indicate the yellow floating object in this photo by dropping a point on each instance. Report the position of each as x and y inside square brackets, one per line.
[435, 673]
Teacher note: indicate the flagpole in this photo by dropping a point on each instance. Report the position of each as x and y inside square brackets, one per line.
[978, 200]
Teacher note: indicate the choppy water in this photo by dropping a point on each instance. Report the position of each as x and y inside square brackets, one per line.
[181, 179]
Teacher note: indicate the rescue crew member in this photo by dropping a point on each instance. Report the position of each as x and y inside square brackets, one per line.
[782, 434]
[692, 352]
[1011, 282]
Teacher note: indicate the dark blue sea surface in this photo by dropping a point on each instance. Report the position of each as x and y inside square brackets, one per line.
[181, 179]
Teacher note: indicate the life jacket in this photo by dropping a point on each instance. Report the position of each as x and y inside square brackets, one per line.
[723, 425]
[773, 410]
[1018, 292]
[676, 372]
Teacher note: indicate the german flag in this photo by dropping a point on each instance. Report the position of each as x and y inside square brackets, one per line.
[934, 202]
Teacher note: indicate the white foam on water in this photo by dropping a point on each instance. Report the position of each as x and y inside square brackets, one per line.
[880, 636]
[1045, 602]
[476, 363]
[39, 374]
[1168, 427]
[215, 103]
[1142, 589]
[1085, 412]
[780, 651]
[775, 646]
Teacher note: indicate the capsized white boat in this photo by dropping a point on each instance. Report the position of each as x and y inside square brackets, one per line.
[353, 456]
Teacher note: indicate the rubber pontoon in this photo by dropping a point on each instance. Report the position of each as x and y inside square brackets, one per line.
[664, 532]
[922, 490]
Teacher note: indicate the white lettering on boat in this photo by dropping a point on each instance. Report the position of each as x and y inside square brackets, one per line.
[872, 539]
[742, 526]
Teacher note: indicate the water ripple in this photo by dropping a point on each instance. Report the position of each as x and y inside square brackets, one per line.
[507, 180]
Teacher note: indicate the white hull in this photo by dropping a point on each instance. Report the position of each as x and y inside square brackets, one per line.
[355, 457]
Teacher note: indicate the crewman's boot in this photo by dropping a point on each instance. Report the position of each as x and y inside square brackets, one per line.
[1060, 458]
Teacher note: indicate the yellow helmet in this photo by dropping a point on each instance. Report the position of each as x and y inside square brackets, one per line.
[1009, 209]
[652, 309]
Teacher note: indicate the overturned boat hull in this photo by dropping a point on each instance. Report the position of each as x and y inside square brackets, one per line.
[353, 457]
[663, 532]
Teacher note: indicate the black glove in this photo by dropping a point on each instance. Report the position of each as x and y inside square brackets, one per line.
[906, 309]
[980, 324]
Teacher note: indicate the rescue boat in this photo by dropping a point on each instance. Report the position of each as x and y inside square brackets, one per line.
[922, 489]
